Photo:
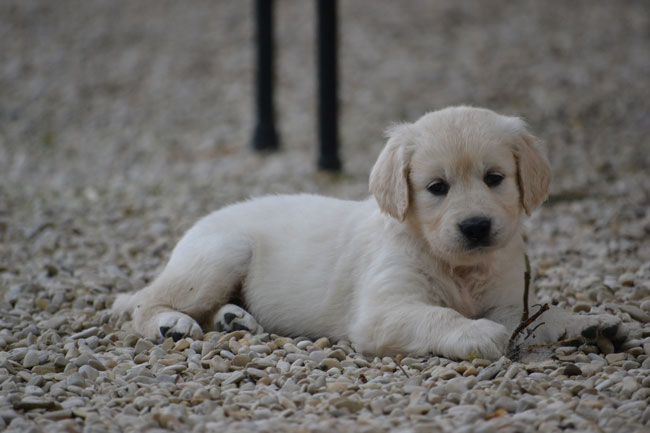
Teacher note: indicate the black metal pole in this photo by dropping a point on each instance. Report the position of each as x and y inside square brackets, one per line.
[265, 136]
[327, 86]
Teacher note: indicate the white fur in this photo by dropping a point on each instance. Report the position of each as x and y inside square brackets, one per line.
[390, 273]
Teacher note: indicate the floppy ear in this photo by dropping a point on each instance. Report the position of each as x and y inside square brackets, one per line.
[533, 173]
[389, 176]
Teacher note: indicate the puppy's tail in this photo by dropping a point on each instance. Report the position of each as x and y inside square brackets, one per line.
[124, 303]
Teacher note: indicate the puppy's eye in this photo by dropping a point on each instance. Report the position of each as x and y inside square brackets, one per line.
[438, 187]
[493, 179]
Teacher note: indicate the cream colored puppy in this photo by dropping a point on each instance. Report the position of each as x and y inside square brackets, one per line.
[433, 263]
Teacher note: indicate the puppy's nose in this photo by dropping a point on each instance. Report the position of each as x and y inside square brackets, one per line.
[476, 230]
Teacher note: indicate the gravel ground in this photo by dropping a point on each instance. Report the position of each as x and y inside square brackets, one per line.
[123, 122]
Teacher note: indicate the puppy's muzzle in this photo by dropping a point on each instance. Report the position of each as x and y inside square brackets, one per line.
[476, 231]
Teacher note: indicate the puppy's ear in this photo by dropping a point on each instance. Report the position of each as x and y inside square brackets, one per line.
[533, 173]
[389, 176]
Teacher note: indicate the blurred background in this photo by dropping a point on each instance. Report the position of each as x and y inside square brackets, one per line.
[122, 115]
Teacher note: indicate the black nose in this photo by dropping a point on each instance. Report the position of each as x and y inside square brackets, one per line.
[476, 230]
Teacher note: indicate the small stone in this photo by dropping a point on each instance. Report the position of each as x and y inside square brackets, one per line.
[235, 377]
[200, 395]
[52, 323]
[615, 357]
[261, 348]
[572, 370]
[41, 303]
[322, 343]
[328, 363]
[581, 308]
[32, 402]
[44, 369]
[316, 385]
[626, 280]
[142, 346]
[240, 360]
[337, 354]
[256, 373]
[645, 418]
[488, 373]
[338, 387]
[181, 345]
[418, 409]
[58, 415]
[76, 379]
[645, 306]
[94, 330]
[605, 345]
[31, 359]
[346, 403]
[471, 371]
[480, 362]
[168, 344]
[89, 372]
[630, 385]
[317, 356]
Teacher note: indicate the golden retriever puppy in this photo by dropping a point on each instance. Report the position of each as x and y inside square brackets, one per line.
[432, 263]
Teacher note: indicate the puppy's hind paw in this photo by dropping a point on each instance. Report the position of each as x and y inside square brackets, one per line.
[230, 318]
[177, 325]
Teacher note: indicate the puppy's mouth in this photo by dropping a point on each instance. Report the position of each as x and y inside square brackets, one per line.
[478, 245]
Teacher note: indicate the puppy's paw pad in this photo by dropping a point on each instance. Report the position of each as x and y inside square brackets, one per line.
[590, 332]
[233, 318]
[598, 325]
[177, 325]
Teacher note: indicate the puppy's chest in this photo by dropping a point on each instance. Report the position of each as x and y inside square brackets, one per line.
[465, 291]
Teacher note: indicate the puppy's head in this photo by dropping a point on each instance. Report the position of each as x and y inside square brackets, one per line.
[462, 176]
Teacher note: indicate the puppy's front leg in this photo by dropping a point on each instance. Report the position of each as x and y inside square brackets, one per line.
[557, 324]
[419, 329]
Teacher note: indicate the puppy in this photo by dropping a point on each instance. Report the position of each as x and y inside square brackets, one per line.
[433, 263]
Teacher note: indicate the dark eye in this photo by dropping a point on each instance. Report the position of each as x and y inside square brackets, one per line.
[493, 179]
[438, 187]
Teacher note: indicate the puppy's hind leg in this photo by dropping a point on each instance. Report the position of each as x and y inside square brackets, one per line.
[200, 277]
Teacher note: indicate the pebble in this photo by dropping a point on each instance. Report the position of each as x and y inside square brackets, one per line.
[605, 345]
[346, 403]
[31, 359]
[76, 379]
[615, 357]
[645, 306]
[31, 403]
[142, 346]
[322, 343]
[234, 378]
[572, 370]
[581, 308]
[489, 372]
[261, 348]
[240, 360]
[181, 345]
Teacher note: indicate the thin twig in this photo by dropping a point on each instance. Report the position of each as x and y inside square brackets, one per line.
[398, 361]
[555, 343]
[525, 324]
[524, 315]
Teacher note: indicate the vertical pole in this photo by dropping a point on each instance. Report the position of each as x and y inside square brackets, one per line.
[265, 136]
[327, 86]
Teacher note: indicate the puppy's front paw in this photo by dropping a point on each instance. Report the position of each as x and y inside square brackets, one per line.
[178, 325]
[483, 337]
[559, 324]
[230, 317]
[605, 325]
